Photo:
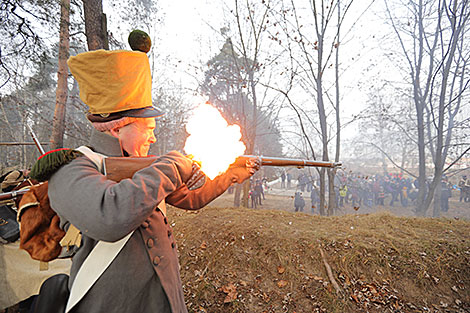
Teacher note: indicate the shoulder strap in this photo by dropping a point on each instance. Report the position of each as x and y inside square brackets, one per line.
[97, 158]
[94, 266]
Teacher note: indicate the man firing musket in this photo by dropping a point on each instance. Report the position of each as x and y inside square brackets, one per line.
[127, 261]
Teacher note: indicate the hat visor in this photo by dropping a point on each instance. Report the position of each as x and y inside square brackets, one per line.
[150, 111]
[146, 112]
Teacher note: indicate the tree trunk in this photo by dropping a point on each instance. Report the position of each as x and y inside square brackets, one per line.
[437, 201]
[332, 205]
[58, 124]
[236, 195]
[251, 141]
[246, 192]
[95, 25]
[332, 172]
[321, 209]
[324, 136]
[246, 186]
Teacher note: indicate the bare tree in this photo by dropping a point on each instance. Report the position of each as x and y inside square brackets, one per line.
[436, 62]
[95, 25]
[23, 26]
[250, 28]
[317, 38]
[57, 138]
[233, 78]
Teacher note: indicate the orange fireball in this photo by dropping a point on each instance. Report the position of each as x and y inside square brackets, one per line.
[211, 141]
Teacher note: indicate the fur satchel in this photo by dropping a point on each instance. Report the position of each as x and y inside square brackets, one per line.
[40, 233]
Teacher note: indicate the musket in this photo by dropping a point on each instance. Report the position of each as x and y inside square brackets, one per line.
[35, 139]
[20, 143]
[119, 168]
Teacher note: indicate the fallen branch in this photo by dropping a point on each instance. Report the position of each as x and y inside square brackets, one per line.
[330, 273]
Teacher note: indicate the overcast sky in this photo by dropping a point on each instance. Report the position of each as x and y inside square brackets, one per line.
[188, 37]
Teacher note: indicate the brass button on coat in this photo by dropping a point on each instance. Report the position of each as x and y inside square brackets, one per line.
[156, 260]
[150, 243]
[173, 245]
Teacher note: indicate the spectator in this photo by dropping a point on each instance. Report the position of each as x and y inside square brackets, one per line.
[343, 191]
[381, 196]
[299, 202]
[253, 197]
[394, 187]
[462, 187]
[302, 181]
[314, 197]
[283, 179]
[259, 191]
[289, 179]
[445, 195]
[404, 196]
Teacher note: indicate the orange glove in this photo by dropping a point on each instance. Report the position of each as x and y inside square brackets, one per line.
[240, 174]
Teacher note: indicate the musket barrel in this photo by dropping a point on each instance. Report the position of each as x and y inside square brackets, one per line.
[273, 161]
[36, 141]
[13, 194]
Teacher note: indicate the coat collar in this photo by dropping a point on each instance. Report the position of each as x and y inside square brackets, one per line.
[105, 144]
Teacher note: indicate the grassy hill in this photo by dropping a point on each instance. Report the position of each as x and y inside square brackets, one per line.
[245, 260]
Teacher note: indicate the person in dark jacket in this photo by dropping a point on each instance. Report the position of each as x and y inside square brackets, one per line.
[144, 276]
[463, 189]
[289, 179]
[445, 195]
[283, 180]
[299, 202]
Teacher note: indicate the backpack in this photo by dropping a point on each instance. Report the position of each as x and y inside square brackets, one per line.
[40, 234]
[9, 228]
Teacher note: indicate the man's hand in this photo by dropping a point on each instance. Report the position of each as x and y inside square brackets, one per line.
[253, 165]
[240, 173]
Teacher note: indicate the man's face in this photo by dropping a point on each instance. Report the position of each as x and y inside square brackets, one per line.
[136, 137]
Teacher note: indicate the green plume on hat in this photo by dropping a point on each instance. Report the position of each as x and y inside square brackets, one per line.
[139, 40]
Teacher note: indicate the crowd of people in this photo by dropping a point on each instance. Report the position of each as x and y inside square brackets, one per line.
[374, 190]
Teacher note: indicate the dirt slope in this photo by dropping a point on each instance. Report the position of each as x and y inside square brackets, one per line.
[245, 260]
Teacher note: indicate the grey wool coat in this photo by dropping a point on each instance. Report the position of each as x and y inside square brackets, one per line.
[144, 276]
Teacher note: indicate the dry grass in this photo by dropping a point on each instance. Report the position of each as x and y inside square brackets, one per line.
[245, 260]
